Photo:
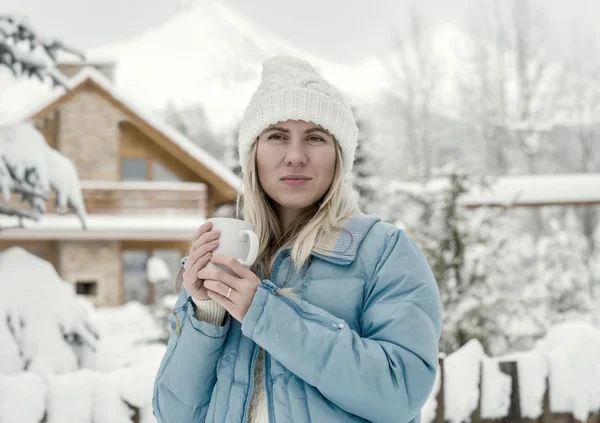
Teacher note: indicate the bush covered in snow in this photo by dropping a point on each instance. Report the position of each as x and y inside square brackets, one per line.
[57, 348]
[44, 326]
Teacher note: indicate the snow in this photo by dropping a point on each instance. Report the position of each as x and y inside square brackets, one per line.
[211, 54]
[574, 383]
[22, 397]
[569, 356]
[88, 73]
[165, 226]
[119, 370]
[24, 148]
[532, 369]
[461, 385]
[495, 390]
[41, 310]
[521, 190]
[157, 270]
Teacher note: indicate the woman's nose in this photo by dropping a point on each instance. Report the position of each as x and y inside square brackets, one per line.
[296, 155]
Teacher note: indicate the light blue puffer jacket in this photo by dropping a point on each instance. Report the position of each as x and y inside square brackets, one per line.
[358, 343]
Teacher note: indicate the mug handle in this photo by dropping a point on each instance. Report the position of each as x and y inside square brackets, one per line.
[245, 235]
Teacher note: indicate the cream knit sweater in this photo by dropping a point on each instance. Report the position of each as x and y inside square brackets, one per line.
[211, 312]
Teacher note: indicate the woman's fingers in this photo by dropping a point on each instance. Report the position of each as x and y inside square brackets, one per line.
[205, 227]
[222, 289]
[191, 281]
[203, 249]
[204, 238]
[207, 242]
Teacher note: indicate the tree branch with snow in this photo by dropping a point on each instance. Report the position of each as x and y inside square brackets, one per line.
[27, 54]
[31, 169]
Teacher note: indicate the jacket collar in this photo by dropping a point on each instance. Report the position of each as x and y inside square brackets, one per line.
[341, 245]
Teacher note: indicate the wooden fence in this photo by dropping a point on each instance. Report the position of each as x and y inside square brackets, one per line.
[510, 368]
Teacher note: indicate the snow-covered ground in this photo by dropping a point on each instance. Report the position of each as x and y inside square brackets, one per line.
[62, 358]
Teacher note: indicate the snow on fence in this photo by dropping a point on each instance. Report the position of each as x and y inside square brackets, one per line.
[556, 382]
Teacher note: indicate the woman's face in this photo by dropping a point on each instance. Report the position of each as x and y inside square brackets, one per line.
[296, 163]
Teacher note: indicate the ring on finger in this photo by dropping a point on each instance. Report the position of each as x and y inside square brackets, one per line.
[228, 293]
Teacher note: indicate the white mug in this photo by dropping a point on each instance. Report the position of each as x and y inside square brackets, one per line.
[237, 239]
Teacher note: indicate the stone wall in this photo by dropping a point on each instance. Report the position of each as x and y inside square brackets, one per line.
[89, 135]
[98, 261]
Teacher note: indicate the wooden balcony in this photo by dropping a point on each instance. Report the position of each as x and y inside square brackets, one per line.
[143, 197]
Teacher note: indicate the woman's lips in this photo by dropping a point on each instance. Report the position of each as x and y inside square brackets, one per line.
[295, 180]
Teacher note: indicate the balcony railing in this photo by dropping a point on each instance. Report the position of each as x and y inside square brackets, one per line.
[147, 197]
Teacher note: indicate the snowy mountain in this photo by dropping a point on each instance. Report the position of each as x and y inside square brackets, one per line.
[211, 54]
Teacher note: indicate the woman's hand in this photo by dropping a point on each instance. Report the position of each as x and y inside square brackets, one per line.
[203, 243]
[235, 290]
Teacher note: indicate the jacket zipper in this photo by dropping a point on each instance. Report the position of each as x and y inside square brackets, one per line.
[251, 391]
[270, 407]
[277, 263]
[269, 387]
[330, 324]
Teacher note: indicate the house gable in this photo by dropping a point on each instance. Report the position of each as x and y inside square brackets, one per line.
[190, 162]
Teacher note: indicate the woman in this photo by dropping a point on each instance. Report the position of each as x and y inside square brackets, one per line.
[339, 321]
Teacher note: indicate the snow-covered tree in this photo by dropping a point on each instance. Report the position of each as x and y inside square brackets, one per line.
[463, 248]
[192, 122]
[232, 155]
[509, 86]
[24, 53]
[363, 169]
[560, 283]
[29, 168]
[45, 327]
[416, 69]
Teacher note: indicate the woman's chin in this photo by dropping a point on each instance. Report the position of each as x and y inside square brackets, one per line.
[295, 203]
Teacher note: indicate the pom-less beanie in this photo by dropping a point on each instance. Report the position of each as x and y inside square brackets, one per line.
[291, 89]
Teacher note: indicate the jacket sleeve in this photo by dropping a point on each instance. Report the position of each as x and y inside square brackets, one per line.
[187, 373]
[384, 374]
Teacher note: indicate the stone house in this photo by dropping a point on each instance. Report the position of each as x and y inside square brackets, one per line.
[146, 189]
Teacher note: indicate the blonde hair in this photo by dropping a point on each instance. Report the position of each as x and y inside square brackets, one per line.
[256, 207]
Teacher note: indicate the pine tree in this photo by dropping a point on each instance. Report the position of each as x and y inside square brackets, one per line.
[26, 54]
[232, 156]
[363, 174]
[465, 249]
[28, 166]
[193, 123]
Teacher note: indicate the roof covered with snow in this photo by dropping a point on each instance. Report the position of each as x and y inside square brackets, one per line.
[522, 191]
[44, 96]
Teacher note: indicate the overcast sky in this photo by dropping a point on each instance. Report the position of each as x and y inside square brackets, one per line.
[342, 30]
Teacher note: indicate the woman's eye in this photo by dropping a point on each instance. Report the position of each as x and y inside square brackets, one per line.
[316, 139]
[275, 137]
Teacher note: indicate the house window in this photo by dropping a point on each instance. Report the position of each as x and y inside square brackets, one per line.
[135, 283]
[161, 173]
[89, 288]
[134, 169]
[135, 278]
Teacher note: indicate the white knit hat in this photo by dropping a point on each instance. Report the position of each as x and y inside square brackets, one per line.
[291, 89]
